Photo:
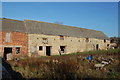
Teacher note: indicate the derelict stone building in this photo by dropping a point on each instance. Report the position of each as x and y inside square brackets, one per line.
[42, 38]
[13, 39]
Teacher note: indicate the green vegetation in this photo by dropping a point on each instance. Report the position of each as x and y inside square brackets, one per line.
[102, 51]
[93, 52]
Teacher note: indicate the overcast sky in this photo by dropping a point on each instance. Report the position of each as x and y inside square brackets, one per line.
[102, 16]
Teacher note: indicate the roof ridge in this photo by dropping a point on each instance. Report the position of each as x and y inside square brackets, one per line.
[63, 25]
[12, 19]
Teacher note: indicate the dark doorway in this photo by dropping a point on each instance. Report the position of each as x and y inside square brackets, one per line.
[7, 50]
[62, 49]
[48, 50]
[97, 46]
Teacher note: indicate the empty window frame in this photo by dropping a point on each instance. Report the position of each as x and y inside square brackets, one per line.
[40, 48]
[7, 50]
[62, 48]
[87, 40]
[17, 50]
[45, 40]
[112, 41]
[61, 37]
[104, 40]
[107, 45]
[7, 37]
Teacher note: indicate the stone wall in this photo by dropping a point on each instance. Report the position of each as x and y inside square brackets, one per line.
[30, 43]
[72, 44]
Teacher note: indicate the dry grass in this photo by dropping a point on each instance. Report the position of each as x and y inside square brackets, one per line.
[66, 67]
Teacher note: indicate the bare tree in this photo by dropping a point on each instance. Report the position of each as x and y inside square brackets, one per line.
[58, 22]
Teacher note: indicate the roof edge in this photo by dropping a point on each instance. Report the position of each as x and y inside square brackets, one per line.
[63, 25]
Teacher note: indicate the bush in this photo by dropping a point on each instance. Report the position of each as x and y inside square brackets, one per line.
[65, 70]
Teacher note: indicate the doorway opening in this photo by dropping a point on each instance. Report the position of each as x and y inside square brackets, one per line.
[48, 50]
[62, 48]
[7, 50]
[97, 46]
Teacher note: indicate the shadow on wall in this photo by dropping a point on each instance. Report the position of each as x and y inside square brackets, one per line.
[12, 75]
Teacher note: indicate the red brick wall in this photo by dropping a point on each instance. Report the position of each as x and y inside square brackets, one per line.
[1, 49]
[16, 39]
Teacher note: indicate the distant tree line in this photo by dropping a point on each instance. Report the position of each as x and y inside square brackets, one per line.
[115, 40]
[58, 22]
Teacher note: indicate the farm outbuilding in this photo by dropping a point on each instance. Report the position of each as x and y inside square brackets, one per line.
[13, 39]
[36, 38]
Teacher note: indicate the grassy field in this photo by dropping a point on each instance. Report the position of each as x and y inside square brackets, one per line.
[97, 52]
[73, 66]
